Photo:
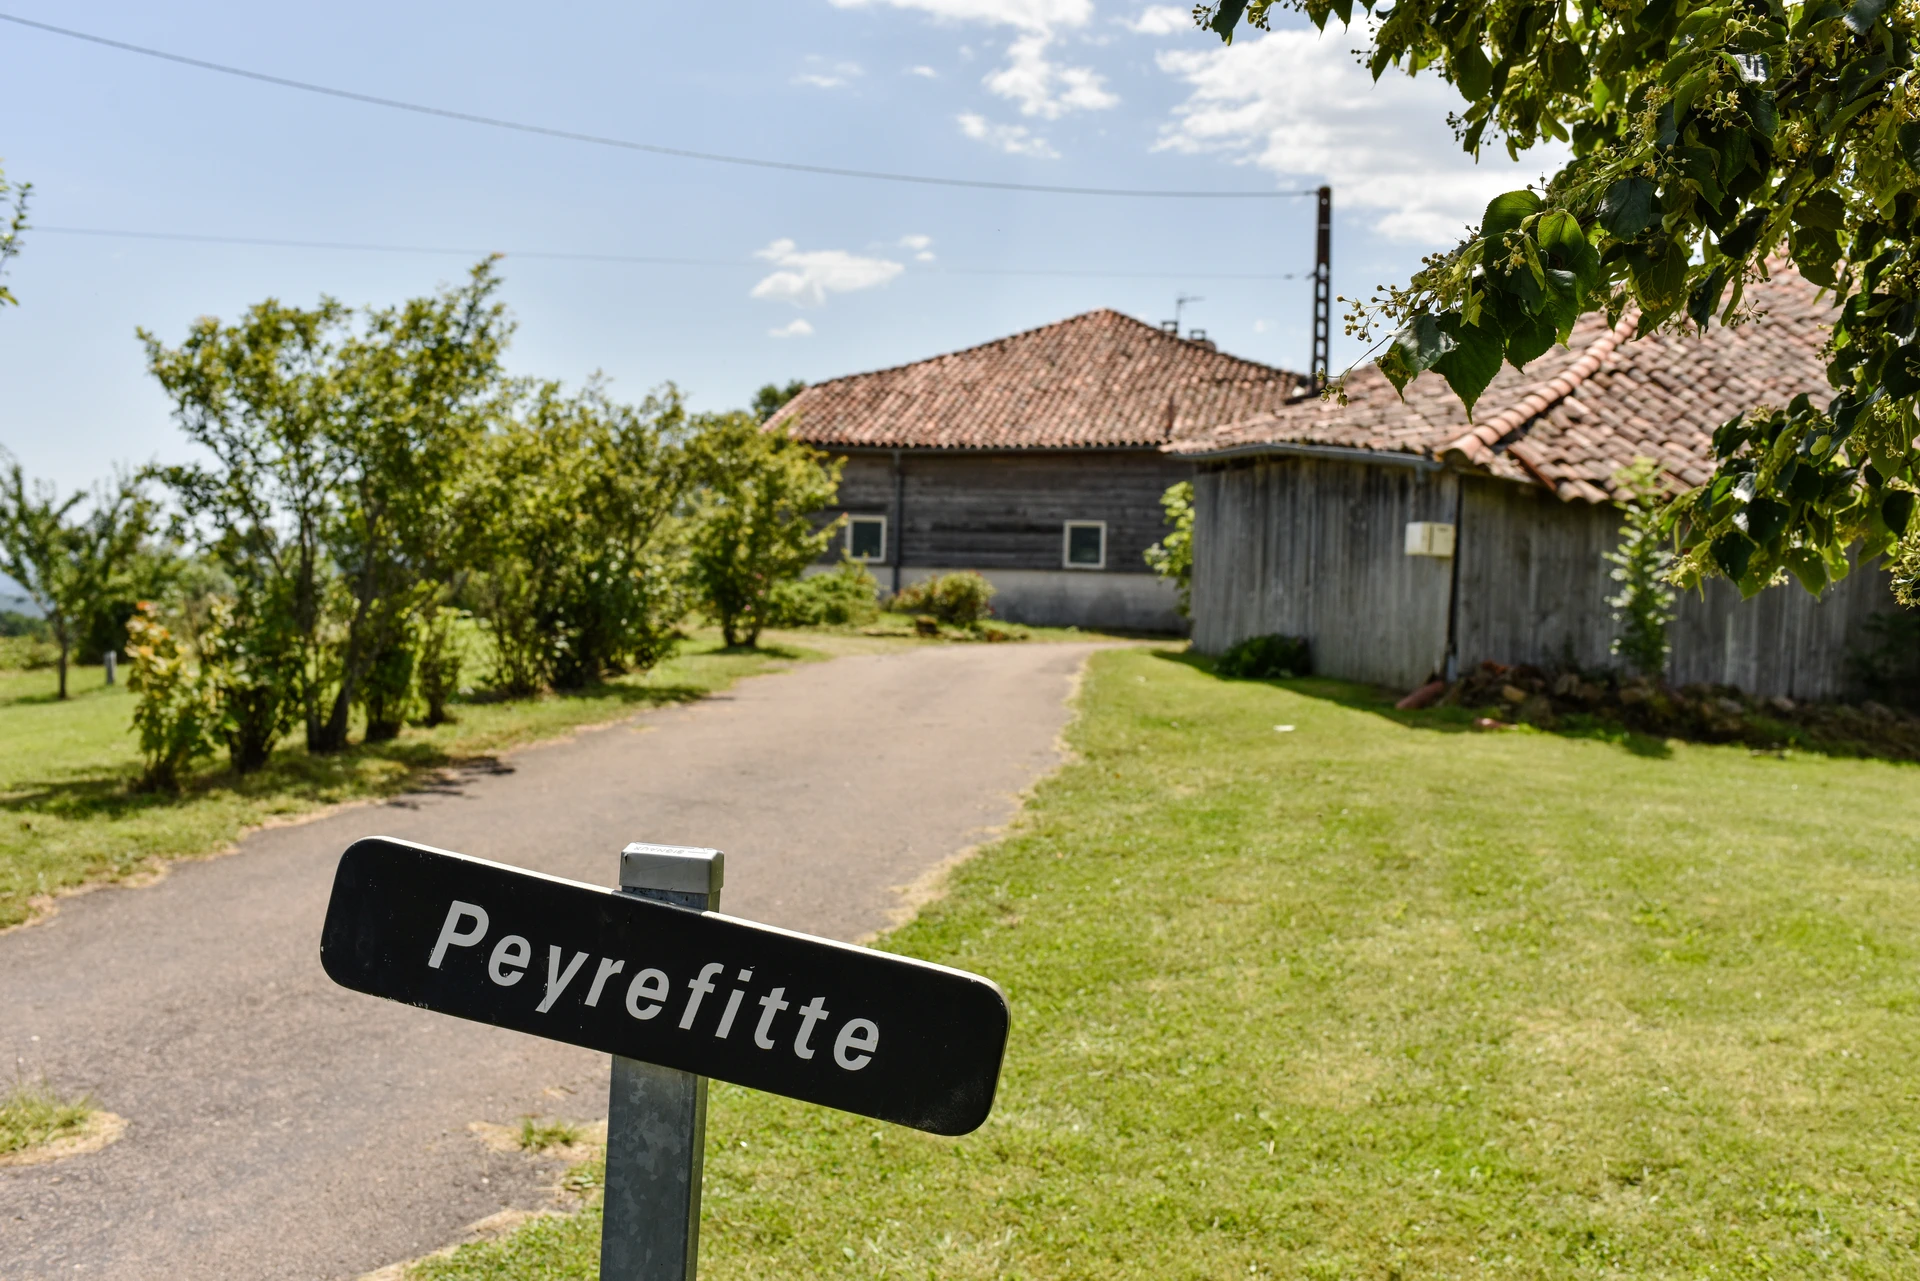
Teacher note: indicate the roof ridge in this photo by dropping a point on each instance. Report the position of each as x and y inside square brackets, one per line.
[1477, 446]
[1078, 317]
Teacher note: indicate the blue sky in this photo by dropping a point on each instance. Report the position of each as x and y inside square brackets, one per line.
[798, 276]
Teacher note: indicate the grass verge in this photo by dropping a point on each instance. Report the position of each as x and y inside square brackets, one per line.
[1366, 998]
[69, 817]
[32, 1116]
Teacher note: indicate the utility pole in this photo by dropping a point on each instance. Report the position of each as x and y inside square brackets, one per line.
[1322, 293]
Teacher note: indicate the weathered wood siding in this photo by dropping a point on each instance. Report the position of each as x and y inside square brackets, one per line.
[1533, 586]
[1008, 510]
[1317, 548]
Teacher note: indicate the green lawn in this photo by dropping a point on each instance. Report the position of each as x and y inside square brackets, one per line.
[1382, 997]
[68, 815]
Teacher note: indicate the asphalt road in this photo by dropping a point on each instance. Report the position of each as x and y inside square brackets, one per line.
[281, 1127]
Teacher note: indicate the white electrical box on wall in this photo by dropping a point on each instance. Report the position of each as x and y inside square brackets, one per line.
[1429, 538]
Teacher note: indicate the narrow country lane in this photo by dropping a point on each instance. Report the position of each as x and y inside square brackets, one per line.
[280, 1127]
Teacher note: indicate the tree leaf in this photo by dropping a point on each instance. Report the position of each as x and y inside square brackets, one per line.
[1897, 509]
[1861, 16]
[1731, 552]
[1505, 213]
[1806, 565]
[1909, 138]
[1762, 519]
[1560, 236]
[1627, 208]
[1227, 17]
[1706, 296]
[1529, 340]
[1470, 71]
[1822, 209]
[1744, 236]
[1474, 360]
[1413, 351]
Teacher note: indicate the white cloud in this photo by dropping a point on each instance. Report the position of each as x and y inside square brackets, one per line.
[822, 76]
[1029, 15]
[927, 72]
[1296, 104]
[806, 278]
[1015, 140]
[920, 246]
[1044, 88]
[1162, 20]
[795, 328]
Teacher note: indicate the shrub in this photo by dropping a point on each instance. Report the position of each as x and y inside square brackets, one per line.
[387, 690]
[437, 671]
[1172, 556]
[243, 664]
[1886, 665]
[173, 711]
[848, 595]
[959, 600]
[1265, 658]
[27, 653]
[1644, 606]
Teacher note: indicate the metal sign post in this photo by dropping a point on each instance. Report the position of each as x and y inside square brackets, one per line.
[676, 993]
[657, 1116]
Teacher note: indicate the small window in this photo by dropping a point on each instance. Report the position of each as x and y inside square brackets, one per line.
[1086, 544]
[867, 538]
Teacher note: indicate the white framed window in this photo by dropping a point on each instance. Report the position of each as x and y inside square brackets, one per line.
[1083, 544]
[866, 538]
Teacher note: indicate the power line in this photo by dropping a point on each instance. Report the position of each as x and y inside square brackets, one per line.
[272, 242]
[494, 122]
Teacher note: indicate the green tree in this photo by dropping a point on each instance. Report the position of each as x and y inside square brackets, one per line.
[1705, 136]
[1643, 607]
[67, 562]
[1172, 556]
[418, 391]
[578, 566]
[769, 399]
[260, 397]
[13, 221]
[340, 457]
[753, 525]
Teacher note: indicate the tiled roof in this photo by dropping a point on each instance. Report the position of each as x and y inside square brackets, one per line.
[1097, 379]
[1579, 413]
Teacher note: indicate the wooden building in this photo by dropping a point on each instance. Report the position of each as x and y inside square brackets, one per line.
[1405, 541]
[1035, 459]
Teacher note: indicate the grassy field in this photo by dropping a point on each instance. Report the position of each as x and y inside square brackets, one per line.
[1377, 996]
[69, 817]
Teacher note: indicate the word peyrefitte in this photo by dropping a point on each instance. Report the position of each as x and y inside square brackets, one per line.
[649, 990]
[855, 1028]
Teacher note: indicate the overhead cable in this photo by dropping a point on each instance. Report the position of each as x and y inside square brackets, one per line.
[272, 242]
[684, 153]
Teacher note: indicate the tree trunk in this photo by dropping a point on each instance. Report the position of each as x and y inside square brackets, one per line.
[333, 734]
[63, 664]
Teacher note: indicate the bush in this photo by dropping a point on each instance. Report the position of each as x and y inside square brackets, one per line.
[1643, 608]
[173, 712]
[1886, 667]
[847, 596]
[1266, 658]
[27, 653]
[1172, 556]
[959, 600]
[437, 672]
[243, 663]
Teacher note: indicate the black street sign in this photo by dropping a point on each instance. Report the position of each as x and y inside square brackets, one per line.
[884, 1036]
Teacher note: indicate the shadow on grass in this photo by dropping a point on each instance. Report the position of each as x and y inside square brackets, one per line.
[364, 771]
[1438, 720]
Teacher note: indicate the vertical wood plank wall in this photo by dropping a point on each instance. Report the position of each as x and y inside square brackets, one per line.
[978, 510]
[1314, 548]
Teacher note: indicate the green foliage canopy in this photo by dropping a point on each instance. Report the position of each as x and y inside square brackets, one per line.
[68, 563]
[755, 526]
[1706, 134]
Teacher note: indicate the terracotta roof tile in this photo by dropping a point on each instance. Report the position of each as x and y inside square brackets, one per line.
[1659, 396]
[1097, 379]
